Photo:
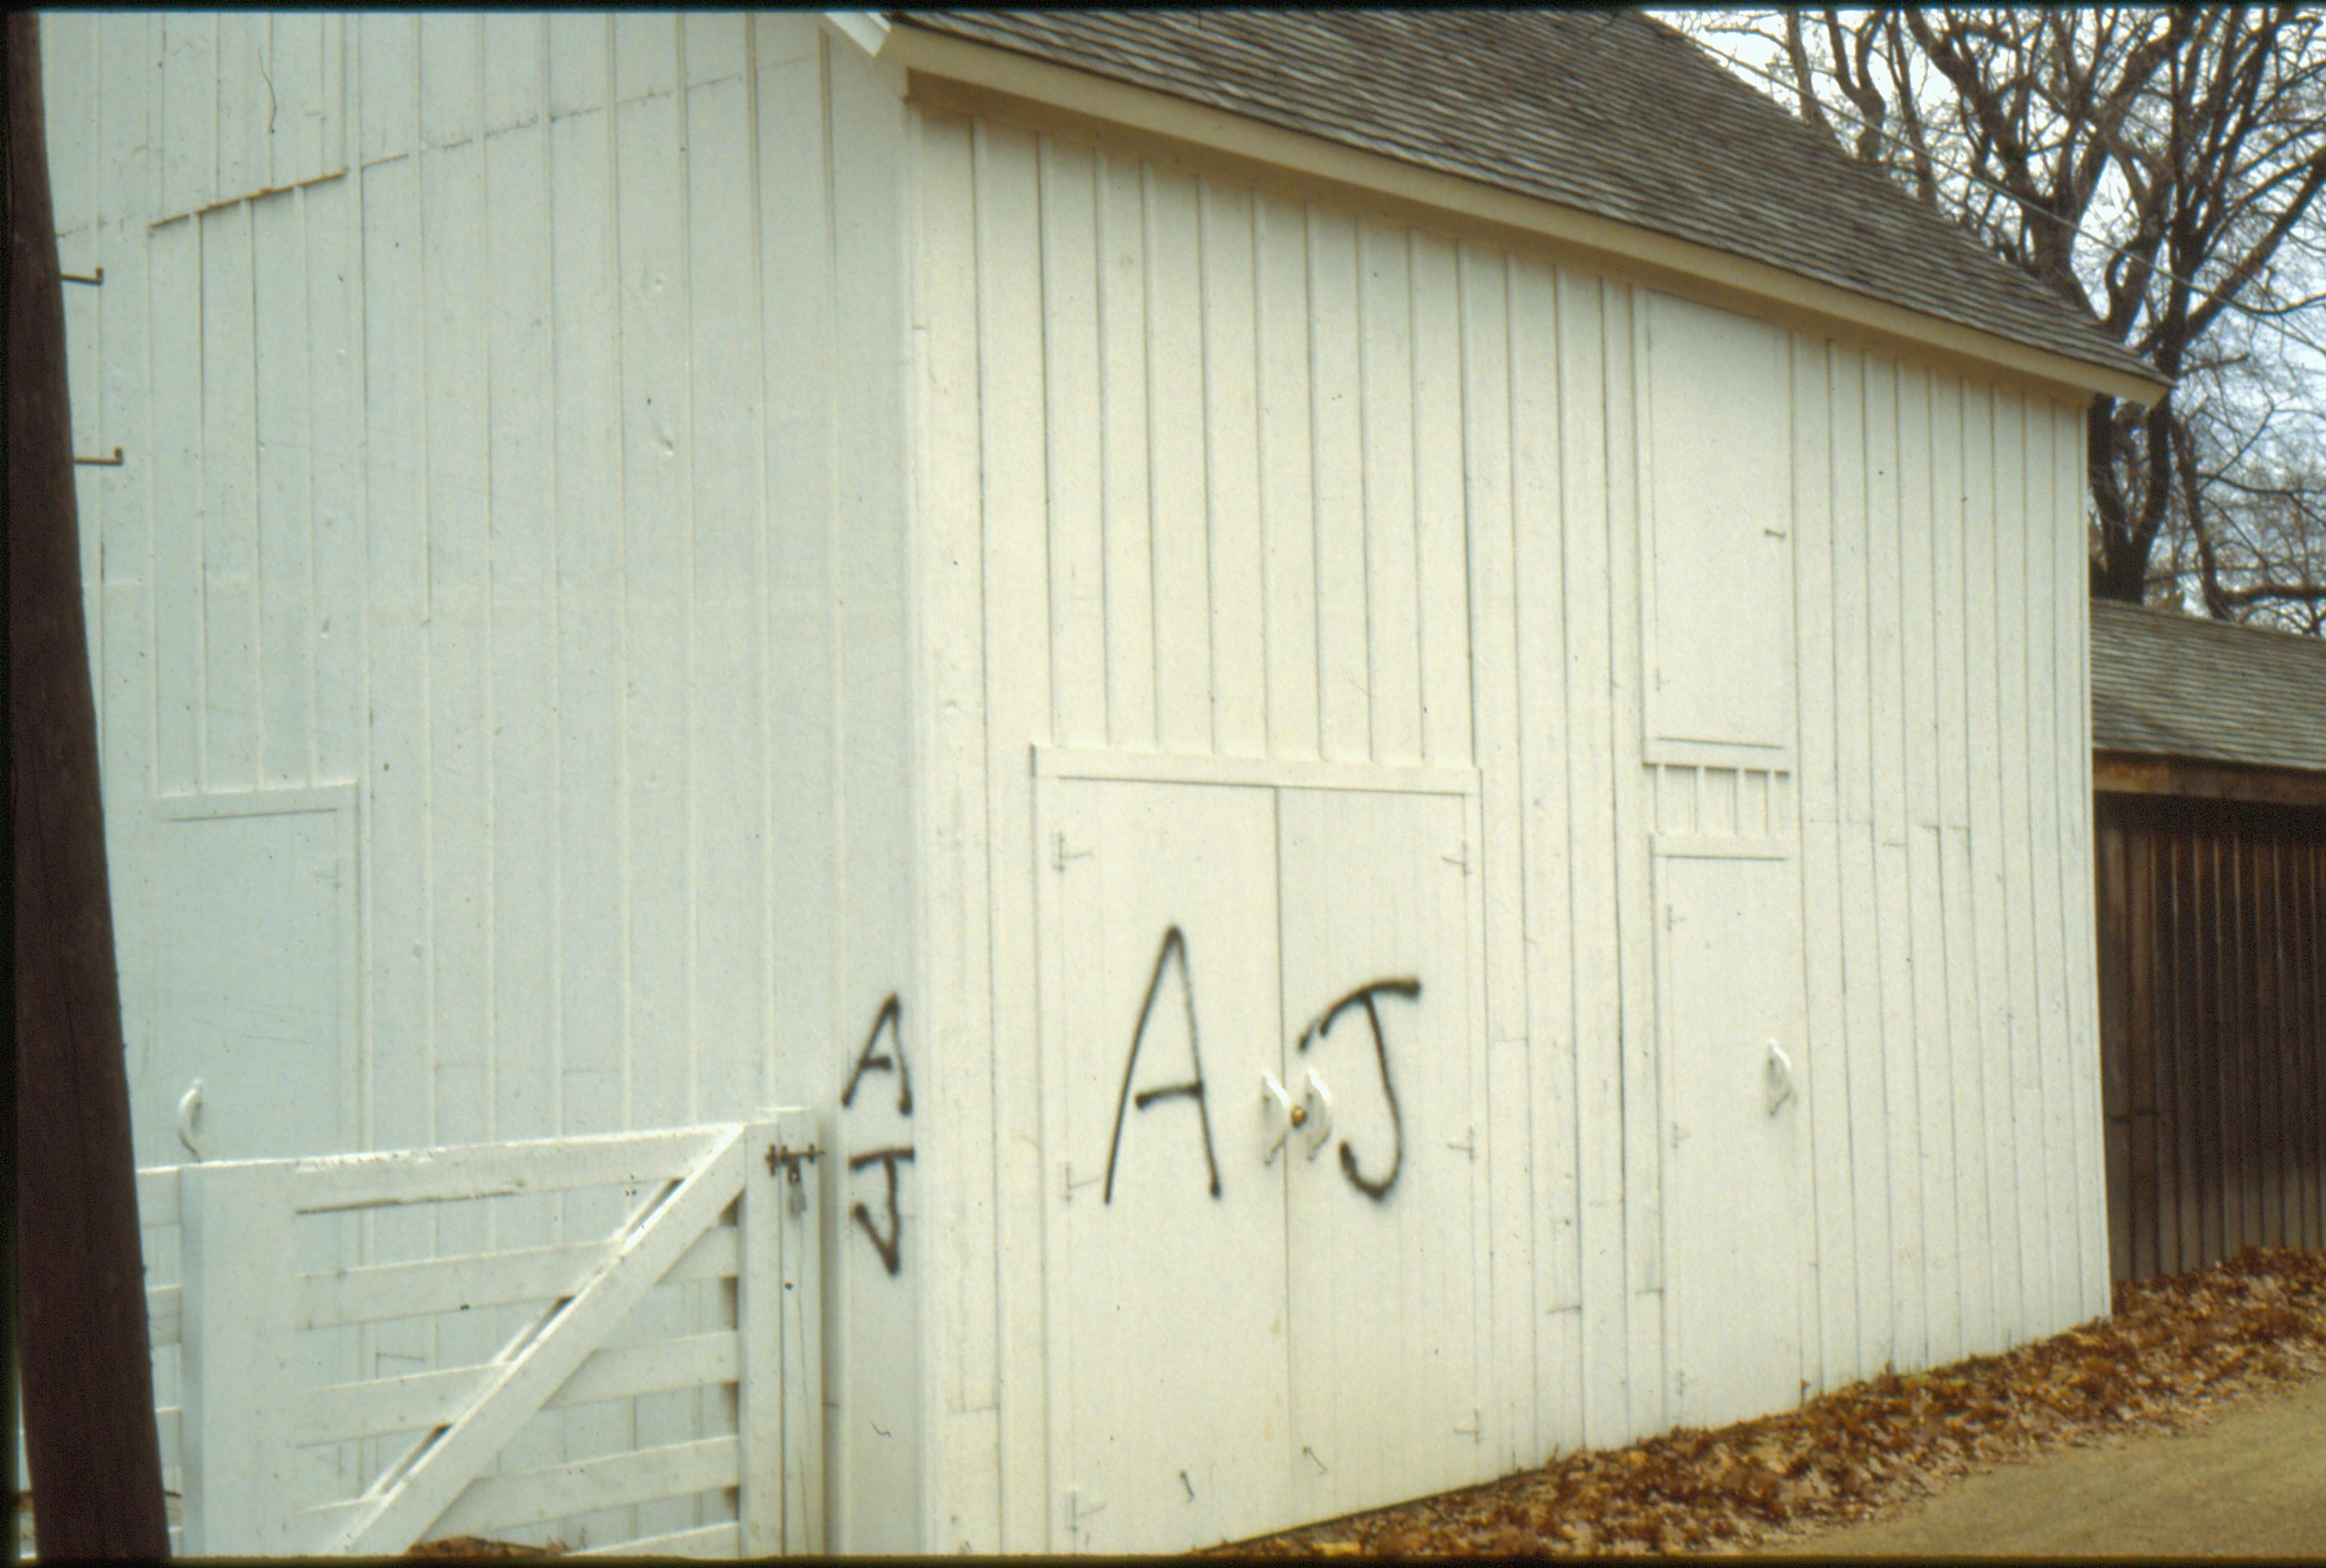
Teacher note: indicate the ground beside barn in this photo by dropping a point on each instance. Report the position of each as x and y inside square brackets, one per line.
[2251, 1484]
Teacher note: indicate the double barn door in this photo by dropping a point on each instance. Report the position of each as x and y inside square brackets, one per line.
[1260, 1068]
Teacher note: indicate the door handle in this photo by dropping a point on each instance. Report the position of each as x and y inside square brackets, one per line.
[1317, 1105]
[189, 1107]
[1781, 1077]
[1272, 1092]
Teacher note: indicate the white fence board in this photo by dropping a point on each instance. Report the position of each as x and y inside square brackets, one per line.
[720, 1540]
[487, 1279]
[674, 1470]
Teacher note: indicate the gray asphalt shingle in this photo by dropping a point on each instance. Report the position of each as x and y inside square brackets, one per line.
[2168, 685]
[1610, 112]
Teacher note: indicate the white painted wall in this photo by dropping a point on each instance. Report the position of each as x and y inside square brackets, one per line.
[1216, 472]
[512, 471]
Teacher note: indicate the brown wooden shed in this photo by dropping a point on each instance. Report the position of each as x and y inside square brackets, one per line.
[2209, 770]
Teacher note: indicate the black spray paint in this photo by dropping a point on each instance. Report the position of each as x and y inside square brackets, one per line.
[1411, 989]
[1174, 946]
[891, 1246]
[890, 1021]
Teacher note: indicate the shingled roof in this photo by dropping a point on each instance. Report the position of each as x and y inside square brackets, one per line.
[1611, 112]
[2166, 684]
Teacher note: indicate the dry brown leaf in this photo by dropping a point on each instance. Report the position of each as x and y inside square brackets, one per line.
[2171, 1352]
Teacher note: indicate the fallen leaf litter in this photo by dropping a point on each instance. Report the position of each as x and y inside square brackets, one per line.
[2169, 1354]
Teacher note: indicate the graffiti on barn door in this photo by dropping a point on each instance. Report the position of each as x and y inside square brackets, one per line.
[1171, 960]
[888, 1024]
[1174, 945]
[1377, 1188]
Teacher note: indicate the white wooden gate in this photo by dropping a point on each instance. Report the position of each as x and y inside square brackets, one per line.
[732, 1203]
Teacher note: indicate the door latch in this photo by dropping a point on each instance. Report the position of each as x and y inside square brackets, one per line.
[1315, 1111]
[1278, 1126]
[1781, 1077]
[190, 1109]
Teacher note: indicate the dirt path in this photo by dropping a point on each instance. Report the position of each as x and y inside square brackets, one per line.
[2250, 1484]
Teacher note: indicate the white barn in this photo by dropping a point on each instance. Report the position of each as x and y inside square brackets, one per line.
[1387, 713]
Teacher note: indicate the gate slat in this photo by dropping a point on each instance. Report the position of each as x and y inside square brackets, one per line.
[722, 1540]
[387, 1177]
[412, 1290]
[615, 1480]
[451, 1284]
[157, 1196]
[423, 1399]
[625, 1372]
[412, 1403]
[162, 1310]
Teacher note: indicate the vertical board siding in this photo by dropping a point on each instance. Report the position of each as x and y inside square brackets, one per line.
[1307, 482]
[2230, 891]
[470, 459]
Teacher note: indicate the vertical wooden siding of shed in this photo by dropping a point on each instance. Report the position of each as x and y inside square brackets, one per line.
[513, 474]
[2216, 1092]
[1226, 446]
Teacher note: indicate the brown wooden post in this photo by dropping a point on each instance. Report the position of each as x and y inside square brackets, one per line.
[95, 1456]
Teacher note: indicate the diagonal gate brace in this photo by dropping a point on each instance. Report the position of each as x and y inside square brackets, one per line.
[401, 1506]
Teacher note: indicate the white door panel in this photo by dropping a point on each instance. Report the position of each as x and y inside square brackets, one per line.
[1385, 1396]
[1170, 1426]
[1732, 1034]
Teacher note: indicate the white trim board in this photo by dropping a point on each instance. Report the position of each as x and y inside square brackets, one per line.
[1266, 772]
[253, 803]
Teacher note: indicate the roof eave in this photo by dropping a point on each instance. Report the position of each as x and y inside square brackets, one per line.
[955, 72]
[870, 30]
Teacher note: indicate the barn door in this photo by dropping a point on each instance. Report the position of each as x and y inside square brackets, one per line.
[1732, 1042]
[1384, 1260]
[1166, 1281]
[252, 1051]
[255, 996]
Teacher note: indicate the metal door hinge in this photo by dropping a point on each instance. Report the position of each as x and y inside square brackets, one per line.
[1060, 854]
[1066, 1183]
[1076, 1514]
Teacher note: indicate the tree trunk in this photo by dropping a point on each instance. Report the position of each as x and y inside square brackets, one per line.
[95, 1456]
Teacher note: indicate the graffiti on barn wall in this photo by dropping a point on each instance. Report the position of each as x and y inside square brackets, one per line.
[889, 1247]
[1174, 950]
[889, 1024]
[1362, 996]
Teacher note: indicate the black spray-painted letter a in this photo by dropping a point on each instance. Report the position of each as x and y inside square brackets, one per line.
[1174, 945]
